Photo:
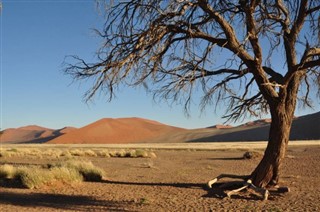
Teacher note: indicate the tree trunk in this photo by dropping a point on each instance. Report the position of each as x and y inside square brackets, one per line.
[267, 171]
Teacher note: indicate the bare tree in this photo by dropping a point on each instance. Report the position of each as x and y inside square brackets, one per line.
[229, 50]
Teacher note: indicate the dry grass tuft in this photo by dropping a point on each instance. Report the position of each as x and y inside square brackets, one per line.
[86, 169]
[66, 172]
[74, 152]
[141, 153]
[66, 154]
[138, 153]
[103, 153]
[6, 171]
[90, 153]
[66, 175]
[32, 177]
[77, 152]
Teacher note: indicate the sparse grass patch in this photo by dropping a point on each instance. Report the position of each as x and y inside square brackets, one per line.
[274, 209]
[138, 153]
[88, 171]
[90, 153]
[141, 153]
[77, 152]
[66, 175]
[152, 155]
[12, 150]
[54, 153]
[8, 152]
[121, 153]
[32, 177]
[143, 201]
[5, 154]
[103, 153]
[66, 172]
[66, 153]
[34, 152]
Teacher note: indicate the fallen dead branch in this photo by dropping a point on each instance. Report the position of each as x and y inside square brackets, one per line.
[245, 184]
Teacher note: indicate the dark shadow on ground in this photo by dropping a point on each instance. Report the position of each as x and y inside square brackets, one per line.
[218, 191]
[177, 185]
[214, 192]
[235, 158]
[62, 202]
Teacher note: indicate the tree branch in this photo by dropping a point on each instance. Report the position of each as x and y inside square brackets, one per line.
[177, 46]
[233, 44]
[314, 9]
[251, 29]
[308, 64]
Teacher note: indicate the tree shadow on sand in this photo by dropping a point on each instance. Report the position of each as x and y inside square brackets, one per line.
[217, 191]
[220, 190]
[177, 185]
[211, 192]
[62, 202]
[226, 159]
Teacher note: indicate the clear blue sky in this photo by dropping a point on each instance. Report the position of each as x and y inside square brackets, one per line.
[36, 35]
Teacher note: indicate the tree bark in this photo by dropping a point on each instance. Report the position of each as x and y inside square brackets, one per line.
[268, 170]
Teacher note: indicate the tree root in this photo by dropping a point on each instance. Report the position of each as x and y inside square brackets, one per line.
[246, 183]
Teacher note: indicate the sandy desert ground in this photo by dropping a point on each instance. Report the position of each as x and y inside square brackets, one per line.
[173, 181]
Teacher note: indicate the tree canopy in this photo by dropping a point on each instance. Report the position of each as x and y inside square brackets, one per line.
[242, 52]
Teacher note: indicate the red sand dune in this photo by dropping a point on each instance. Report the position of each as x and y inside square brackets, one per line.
[221, 126]
[122, 130]
[31, 134]
[66, 130]
[24, 134]
[138, 130]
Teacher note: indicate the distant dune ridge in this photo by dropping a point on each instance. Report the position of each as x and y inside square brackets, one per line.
[139, 130]
[303, 128]
[122, 130]
[32, 134]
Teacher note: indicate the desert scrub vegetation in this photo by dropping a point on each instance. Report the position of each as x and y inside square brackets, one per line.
[138, 153]
[74, 152]
[30, 152]
[68, 172]
[86, 169]
[7, 171]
